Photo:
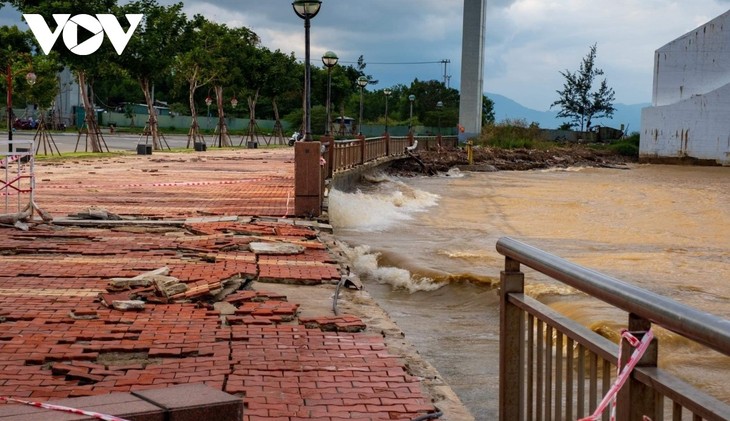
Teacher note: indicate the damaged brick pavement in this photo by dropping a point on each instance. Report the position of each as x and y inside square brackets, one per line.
[190, 294]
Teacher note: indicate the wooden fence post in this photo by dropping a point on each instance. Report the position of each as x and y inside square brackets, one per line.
[636, 399]
[362, 146]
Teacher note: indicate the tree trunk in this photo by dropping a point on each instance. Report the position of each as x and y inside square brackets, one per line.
[225, 139]
[154, 129]
[194, 132]
[278, 129]
[252, 117]
[92, 128]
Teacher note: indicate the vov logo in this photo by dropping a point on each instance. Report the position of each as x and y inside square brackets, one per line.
[98, 26]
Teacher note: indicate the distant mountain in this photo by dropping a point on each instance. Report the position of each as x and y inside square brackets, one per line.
[504, 108]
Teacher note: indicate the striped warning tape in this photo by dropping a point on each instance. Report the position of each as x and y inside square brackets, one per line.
[64, 409]
[169, 184]
[622, 374]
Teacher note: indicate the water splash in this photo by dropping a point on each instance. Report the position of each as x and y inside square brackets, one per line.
[366, 264]
[391, 202]
[454, 173]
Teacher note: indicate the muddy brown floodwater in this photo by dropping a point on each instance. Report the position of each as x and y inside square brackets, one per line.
[425, 248]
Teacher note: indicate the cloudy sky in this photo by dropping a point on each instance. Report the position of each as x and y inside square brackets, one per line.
[528, 42]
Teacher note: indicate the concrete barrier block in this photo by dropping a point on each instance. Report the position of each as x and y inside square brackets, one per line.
[195, 402]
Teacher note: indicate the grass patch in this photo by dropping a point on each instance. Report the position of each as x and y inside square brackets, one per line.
[80, 155]
[514, 134]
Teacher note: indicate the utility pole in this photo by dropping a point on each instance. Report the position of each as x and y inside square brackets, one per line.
[446, 78]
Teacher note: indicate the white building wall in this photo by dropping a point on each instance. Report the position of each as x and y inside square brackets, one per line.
[69, 96]
[691, 97]
[698, 127]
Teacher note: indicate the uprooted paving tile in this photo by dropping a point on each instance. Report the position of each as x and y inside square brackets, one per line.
[62, 336]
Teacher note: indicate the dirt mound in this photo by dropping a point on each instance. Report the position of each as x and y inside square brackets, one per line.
[496, 159]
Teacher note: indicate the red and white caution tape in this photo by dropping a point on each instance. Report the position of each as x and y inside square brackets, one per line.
[163, 184]
[623, 374]
[64, 409]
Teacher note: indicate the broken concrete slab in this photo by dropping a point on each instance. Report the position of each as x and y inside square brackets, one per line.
[95, 212]
[126, 305]
[169, 286]
[141, 280]
[204, 219]
[279, 249]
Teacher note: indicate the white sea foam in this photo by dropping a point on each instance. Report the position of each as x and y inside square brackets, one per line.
[455, 173]
[567, 169]
[390, 203]
[365, 264]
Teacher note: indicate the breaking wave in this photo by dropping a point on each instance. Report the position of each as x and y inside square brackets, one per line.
[389, 202]
[366, 264]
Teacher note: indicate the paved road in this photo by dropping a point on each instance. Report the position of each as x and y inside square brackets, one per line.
[67, 142]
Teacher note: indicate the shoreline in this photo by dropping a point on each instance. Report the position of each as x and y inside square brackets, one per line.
[361, 304]
[496, 159]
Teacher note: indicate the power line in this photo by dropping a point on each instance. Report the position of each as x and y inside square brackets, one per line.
[396, 63]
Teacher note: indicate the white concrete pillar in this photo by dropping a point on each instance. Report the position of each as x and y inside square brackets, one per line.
[472, 67]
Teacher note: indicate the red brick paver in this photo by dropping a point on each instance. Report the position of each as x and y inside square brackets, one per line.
[59, 339]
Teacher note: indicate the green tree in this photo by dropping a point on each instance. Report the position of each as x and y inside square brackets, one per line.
[578, 101]
[428, 94]
[282, 79]
[151, 51]
[85, 68]
[189, 69]
[229, 49]
[15, 49]
[487, 111]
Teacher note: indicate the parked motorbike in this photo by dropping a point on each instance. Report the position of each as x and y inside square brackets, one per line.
[295, 137]
[23, 124]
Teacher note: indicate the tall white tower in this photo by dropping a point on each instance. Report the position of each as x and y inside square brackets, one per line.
[472, 67]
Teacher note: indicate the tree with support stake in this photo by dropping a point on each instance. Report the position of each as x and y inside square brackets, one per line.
[152, 49]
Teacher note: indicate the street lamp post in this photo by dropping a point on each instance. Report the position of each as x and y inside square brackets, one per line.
[307, 9]
[362, 82]
[31, 78]
[329, 59]
[9, 75]
[440, 106]
[208, 101]
[387, 93]
[411, 98]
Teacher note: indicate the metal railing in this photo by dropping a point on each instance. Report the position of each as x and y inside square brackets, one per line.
[348, 154]
[553, 368]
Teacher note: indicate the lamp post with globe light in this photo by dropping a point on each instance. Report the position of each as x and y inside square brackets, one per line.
[386, 92]
[31, 78]
[411, 98]
[362, 82]
[307, 9]
[208, 101]
[329, 59]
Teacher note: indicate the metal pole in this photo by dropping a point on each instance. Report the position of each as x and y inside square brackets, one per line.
[10, 108]
[359, 123]
[307, 84]
[386, 113]
[329, 94]
[410, 120]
